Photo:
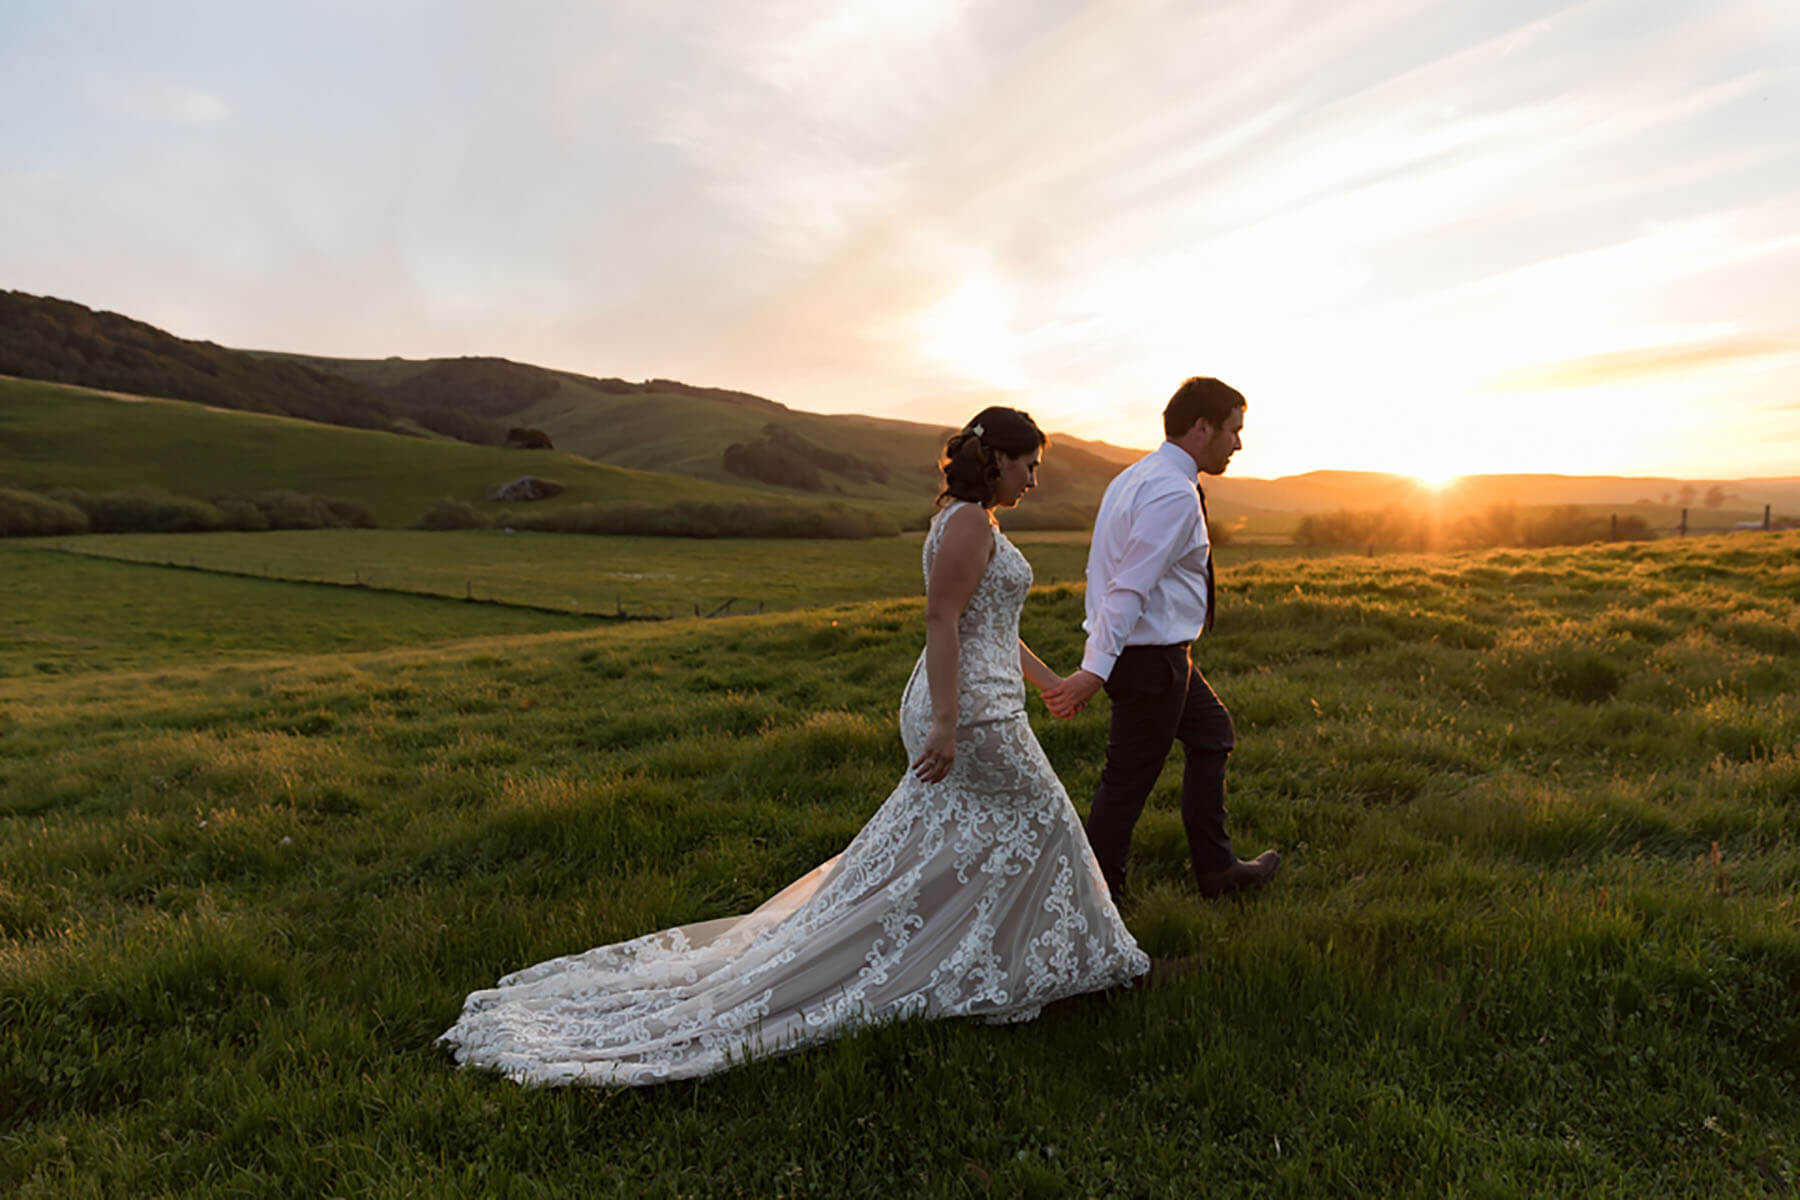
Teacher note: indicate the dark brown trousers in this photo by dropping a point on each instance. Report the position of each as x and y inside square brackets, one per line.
[1159, 698]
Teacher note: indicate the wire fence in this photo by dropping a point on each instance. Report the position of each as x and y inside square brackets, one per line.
[364, 581]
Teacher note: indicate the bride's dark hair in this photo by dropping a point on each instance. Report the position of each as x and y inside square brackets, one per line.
[971, 463]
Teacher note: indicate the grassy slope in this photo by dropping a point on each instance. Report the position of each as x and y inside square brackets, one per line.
[1503, 959]
[57, 435]
[687, 435]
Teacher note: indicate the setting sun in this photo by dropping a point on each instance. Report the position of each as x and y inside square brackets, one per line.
[1437, 481]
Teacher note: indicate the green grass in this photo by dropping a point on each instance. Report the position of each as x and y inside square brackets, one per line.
[660, 577]
[54, 435]
[665, 577]
[67, 613]
[1503, 959]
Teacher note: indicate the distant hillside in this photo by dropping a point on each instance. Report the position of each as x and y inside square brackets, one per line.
[467, 398]
[735, 441]
[656, 425]
[56, 435]
[723, 436]
[61, 342]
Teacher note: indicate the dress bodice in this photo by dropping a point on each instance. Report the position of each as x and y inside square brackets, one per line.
[990, 686]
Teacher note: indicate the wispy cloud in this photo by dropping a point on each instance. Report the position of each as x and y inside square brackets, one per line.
[1639, 362]
[160, 101]
[1392, 206]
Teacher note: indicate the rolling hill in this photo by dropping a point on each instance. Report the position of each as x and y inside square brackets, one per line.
[660, 426]
[58, 435]
[667, 426]
[682, 440]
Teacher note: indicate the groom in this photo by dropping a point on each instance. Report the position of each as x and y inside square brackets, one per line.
[1149, 594]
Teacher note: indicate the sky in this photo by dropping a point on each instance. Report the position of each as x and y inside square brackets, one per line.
[1432, 238]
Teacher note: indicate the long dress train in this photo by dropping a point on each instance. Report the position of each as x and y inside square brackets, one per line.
[975, 896]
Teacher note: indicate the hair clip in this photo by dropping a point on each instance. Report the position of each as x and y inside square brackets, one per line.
[977, 430]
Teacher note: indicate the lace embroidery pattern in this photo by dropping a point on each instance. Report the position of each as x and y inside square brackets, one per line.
[976, 896]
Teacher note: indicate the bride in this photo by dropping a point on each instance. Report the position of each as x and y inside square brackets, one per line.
[970, 893]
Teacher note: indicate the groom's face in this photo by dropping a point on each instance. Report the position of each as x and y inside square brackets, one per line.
[1215, 444]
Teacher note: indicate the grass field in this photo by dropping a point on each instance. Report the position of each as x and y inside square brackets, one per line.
[659, 577]
[1537, 934]
[577, 572]
[67, 613]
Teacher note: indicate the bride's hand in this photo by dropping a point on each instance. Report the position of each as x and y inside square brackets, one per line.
[938, 754]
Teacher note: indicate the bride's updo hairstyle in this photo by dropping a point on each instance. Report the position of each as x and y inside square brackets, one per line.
[971, 462]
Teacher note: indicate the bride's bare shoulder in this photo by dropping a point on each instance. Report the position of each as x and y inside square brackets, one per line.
[967, 529]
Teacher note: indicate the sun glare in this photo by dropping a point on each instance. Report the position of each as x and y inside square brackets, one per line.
[1437, 481]
[969, 329]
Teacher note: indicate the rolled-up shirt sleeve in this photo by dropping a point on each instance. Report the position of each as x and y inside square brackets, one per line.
[1162, 526]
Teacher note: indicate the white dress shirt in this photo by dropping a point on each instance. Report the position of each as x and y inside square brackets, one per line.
[1146, 569]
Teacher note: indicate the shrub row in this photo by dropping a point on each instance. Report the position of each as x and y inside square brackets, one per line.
[683, 518]
[1497, 525]
[145, 510]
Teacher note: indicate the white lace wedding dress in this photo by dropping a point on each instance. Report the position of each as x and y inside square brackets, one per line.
[976, 896]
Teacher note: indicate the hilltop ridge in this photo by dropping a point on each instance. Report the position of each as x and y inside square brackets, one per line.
[727, 437]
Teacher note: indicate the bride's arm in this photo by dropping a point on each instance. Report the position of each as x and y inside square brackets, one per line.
[962, 557]
[1036, 673]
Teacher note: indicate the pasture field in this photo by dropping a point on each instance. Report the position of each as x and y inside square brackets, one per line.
[1536, 935]
[69, 613]
[575, 572]
[663, 577]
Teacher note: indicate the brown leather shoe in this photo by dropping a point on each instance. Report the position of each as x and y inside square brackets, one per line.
[1240, 876]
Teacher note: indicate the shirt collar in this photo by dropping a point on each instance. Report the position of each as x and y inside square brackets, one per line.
[1182, 460]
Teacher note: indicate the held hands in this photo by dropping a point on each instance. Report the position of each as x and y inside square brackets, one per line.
[1072, 694]
[938, 754]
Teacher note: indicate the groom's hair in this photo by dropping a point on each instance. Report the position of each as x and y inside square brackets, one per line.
[1201, 397]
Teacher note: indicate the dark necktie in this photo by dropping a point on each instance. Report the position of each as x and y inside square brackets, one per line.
[1209, 571]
